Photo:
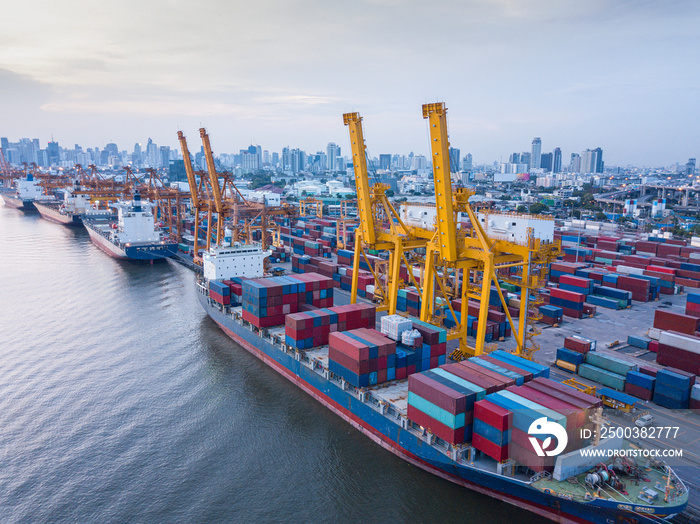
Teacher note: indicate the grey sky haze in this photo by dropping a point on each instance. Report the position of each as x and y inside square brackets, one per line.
[621, 75]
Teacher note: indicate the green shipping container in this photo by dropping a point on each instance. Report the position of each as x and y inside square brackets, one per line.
[615, 365]
[602, 376]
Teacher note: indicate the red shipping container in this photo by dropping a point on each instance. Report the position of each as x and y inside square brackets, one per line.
[575, 417]
[499, 453]
[576, 344]
[502, 379]
[490, 385]
[401, 373]
[567, 391]
[668, 320]
[638, 391]
[453, 436]
[493, 415]
[648, 370]
[568, 295]
[524, 373]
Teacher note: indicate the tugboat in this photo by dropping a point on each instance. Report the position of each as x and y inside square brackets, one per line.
[24, 195]
[134, 236]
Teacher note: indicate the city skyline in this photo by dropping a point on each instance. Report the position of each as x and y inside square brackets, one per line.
[611, 74]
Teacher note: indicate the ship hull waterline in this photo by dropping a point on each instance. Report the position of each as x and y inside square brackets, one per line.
[414, 450]
[17, 203]
[139, 253]
[53, 215]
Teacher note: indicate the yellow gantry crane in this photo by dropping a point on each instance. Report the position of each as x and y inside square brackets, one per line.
[381, 228]
[464, 262]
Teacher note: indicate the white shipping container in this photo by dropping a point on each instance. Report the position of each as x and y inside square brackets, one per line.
[679, 341]
[394, 325]
[654, 333]
[629, 270]
[695, 392]
[694, 256]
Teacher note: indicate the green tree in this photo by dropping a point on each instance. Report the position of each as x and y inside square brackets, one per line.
[259, 180]
[389, 193]
[538, 207]
[521, 209]
[601, 216]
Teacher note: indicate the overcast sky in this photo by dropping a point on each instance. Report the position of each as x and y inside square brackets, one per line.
[621, 75]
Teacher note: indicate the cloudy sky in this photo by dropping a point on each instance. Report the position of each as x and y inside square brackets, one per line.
[618, 74]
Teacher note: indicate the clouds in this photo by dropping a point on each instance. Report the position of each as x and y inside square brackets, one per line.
[575, 73]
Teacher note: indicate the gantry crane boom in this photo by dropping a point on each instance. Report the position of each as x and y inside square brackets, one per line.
[466, 255]
[359, 162]
[373, 207]
[215, 187]
[194, 192]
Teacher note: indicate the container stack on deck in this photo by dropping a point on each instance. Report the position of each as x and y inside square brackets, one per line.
[312, 328]
[266, 301]
[362, 357]
[605, 369]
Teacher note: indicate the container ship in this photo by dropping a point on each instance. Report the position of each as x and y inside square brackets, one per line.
[69, 211]
[475, 423]
[23, 196]
[134, 236]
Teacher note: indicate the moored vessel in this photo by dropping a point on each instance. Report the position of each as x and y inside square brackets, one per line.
[23, 195]
[592, 490]
[134, 235]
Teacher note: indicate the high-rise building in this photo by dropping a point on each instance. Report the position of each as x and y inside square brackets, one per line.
[384, 161]
[690, 167]
[525, 158]
[4, 143]
[556, 161]
[467, 162]
[592, 161]
[514, 158]
[53, 152]
[575, 164]
[333, 152]
[164, 156]
[546, 162]
[455, 154]
[536, 153]
[275, 158]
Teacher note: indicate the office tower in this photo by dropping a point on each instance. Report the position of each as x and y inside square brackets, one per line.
[514, 158]
[467, 162]
[546, 161]
[525, 158]
[536, 153]
[556, 161]
[384, 161]
[575, 164]
[454, 159]
[333, 152]
[690, 167]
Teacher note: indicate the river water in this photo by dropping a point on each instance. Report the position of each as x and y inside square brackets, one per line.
[120, 401]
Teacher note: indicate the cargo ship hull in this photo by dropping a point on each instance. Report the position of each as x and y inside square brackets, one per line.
[411, 446]
[136, 252]
[51, 212]
[16, 202]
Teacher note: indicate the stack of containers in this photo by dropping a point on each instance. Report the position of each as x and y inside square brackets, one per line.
[570, 302]
[607, 370]
[679, 350]
[639, 288]
[266, 301]
[692, 306]
[569, 360]
[610, 297]
[485, 378]
[579, 344]
[312, 328]
[491, 429]
[433, 351]
[672, 389]
[551, 315]
[444, 404]
[525, 412]
[577, 284]
[393, 326]
[219, 292]
[521, 365]
[363, 357]
[640, 385]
